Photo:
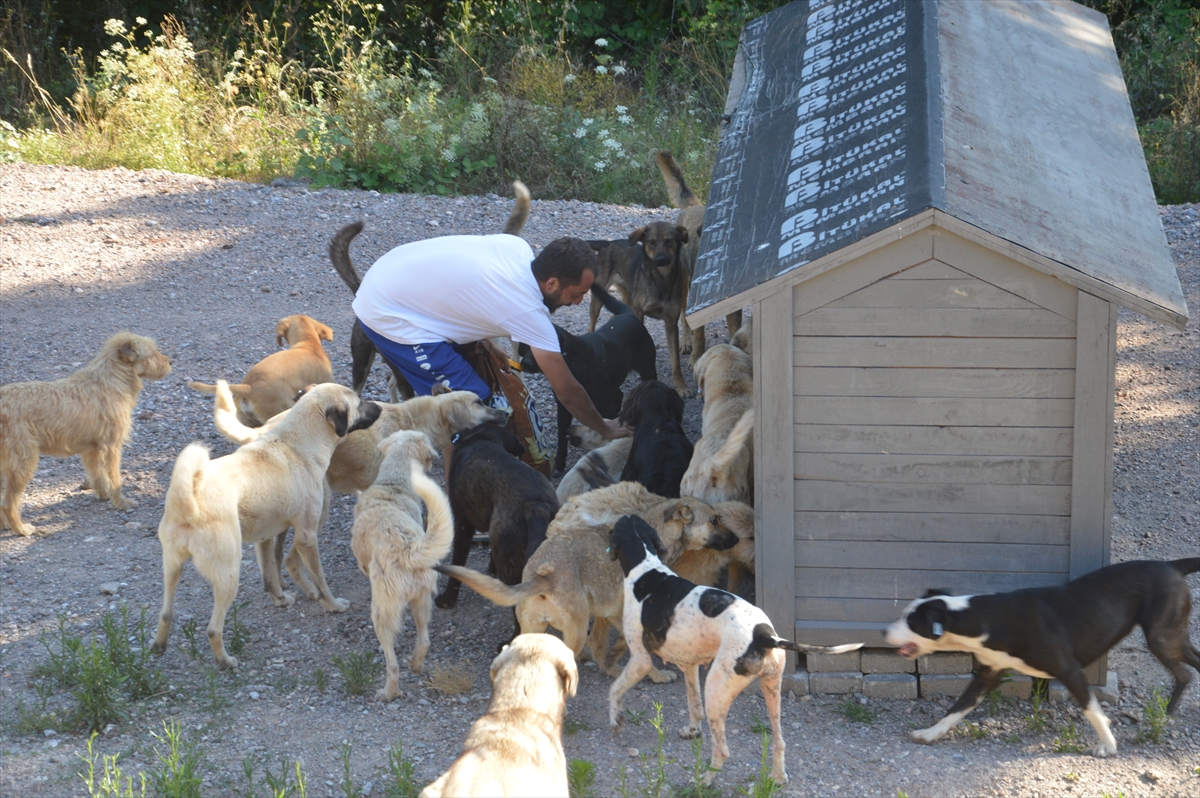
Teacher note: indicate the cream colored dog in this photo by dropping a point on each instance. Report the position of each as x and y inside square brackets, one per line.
[722, 460]
[271, 384]
[703, 566]
[516, 749]
[88, 413]
[356, 460]
[252, 496]
[570, 579]
[396, 552]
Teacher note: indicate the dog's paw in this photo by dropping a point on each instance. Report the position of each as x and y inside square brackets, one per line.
[780, 777]
[684, 391]
[387, 694]
[685, 345]
[24, 530]
[925, 736]
[123, 504]
[660, 676]
[337, 605]
[446, 602]
[1103, 751]
[229, 663]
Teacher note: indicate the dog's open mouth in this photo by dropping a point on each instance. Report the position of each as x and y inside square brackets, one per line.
[909, 651]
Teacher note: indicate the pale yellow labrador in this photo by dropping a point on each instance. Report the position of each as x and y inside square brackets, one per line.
[516, 747]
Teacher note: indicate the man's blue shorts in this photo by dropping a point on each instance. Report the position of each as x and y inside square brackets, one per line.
[426, 364]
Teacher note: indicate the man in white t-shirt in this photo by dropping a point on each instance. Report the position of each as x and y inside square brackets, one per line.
[422, 302]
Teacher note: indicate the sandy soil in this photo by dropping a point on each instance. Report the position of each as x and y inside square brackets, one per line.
[206, 267]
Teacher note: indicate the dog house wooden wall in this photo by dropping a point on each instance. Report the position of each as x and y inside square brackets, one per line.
[934, 210]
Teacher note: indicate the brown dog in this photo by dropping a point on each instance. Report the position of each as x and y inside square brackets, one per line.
[88, 413]
[703, 566]
[691, 218]
[271, 385]
[722, 465]
[516, 748]
[648, 273]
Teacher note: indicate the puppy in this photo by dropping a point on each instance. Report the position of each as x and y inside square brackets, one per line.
[704, 566]
[661, 450]
[721, 468]
[355, 462]
[516, 749]
[1055, 632]
[492, 491]
[646, 271]
[600, 361]
[271, 385]
[693, 626]
[362, 349]
[88, 413]
[570, 579]
[596, 468]
[691, 218]
[396, 551]
[251, 496]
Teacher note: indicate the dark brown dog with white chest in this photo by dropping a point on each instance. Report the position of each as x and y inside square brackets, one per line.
[1056, 632]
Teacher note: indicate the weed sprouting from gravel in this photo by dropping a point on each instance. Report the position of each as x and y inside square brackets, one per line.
[239, 635]
[855, 712]
[285, 784]
[581, 778]
[654, 768]
[765, 785]
[63, 665]
[98, 699]
[697, 789]
[347, 785]
[1154, 719]
[359, 671]
[188, 628]
[177, 775]
[1068, 740]
[401, 782]
[454, 679]
[217, 700]
[573, 726]
[112, 783]
[1036, 720]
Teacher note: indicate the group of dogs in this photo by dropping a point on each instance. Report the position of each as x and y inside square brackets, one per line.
[633, 540]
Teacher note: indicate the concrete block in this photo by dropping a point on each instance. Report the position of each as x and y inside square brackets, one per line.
[1018, 685]
[834, 663]
[890, 685]
[949, 685]
[841, 683]
[795, 683]
[1109, 691]
[947, 662]
[886, 660]
[1058, 692]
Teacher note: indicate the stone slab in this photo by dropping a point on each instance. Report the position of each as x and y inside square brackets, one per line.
[886, 660]
[1109, 691]
[949, 685]
[890, 685]
[842, 683]
[1017, 685]
[835, 663]
[795, 682]
[947, 663]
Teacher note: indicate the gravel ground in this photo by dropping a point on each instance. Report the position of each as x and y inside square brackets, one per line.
[206, 267]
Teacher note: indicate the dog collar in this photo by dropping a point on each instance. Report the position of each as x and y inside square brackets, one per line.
[454, 438]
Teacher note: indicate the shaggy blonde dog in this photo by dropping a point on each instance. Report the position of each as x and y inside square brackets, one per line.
[395, 551]
[516, 748]
[722, 460]
[88, 413]
[271, 384]
[253, 495]
[703, 566]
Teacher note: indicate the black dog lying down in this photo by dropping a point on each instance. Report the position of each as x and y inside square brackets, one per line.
[492, 490]
[661, 450]
[1055, 632]
[600, 360]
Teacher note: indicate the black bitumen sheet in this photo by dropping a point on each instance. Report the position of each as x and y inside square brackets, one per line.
[833, 138]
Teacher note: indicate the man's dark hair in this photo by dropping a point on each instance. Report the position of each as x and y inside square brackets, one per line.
[565, 258]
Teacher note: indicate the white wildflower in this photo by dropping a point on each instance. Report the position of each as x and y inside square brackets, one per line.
[478, 112]
[612, 144]
[588, 121]
[624, 119]
[601, 69]
[622, 109]
[600, 166]
[602, 42]
[691, 112]
[118, 47]
[379, 6]
[603, 134]
[140, 20]
[114, 27]
[425, 73]
[435, 127]
[618, 70]
[488, 80]
[569, 78]
[455, 140]
[449, 155]
[580, 132]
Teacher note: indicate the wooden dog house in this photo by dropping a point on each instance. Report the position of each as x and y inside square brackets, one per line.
[934, 210]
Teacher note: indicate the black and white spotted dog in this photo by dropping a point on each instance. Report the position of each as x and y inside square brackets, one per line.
[1056, 632]
[691, 626]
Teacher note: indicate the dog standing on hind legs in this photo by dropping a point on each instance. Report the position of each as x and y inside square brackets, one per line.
[89, 413]
[395, 551]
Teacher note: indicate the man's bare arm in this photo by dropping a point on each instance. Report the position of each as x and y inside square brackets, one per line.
[573, 396]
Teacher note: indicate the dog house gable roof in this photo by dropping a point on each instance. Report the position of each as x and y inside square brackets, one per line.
[847, 118]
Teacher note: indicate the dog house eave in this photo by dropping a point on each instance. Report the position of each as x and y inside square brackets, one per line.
[1091, 488]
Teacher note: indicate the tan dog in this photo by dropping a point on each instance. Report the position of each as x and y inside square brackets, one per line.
[88, 413]
[743, 339]
[691, 218]
[396, 551]
[356, 460]
[271, 384]
[570, 579]
[253, 495]
[516, 749]
[599, 468]
[703, 566]
[722, 460]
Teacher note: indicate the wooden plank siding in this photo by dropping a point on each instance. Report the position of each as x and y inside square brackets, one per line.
[933, 441]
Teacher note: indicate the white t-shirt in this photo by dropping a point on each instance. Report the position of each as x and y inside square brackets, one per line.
[458, 289]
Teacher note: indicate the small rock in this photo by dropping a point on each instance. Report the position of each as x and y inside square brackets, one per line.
[433, 223]
[1151, 776]
[633, 753]
[266, 289]
[254, 695]
[49, 732]
[145, 415]
[110, 588]
[133, 524]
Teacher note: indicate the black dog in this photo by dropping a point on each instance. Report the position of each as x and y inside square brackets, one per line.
[492, 490]
[661, 450]
[600, 361]
[1055, 632]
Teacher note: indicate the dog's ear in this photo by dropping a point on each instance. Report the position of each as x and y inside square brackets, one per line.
[438, 389]
[282, 327]
[681, 233]
[339, 416]
[128, 352]
[324, 333]
[431, 454]
[631, 411]
[680, 512]
[568, 672]
[637, 235]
